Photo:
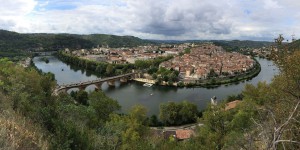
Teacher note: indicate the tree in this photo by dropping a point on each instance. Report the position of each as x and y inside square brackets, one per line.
[215, 128]
[172, 113]
[82, 97]
[231, 98]
[187, 50]
[153, 121]
[154, 76]
[129, 131]
[103, 107]
[188, 112]
[110, 70]
[278, 106]
[169, 113]
[101, 68]
[172, 77]
[133, 136]
[212, 73]
[142, 64]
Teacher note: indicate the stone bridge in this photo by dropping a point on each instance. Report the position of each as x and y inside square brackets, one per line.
[44, 53]
[98, 83]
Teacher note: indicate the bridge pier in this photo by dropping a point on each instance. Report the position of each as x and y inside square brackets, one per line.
[131, 77]
[82, 87]
[111, 83]
[98, 85]
[124, 79]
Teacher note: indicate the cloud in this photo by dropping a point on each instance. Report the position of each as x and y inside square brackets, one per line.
[163, 19]
[178, 18]
[13, 12]
[16, 7]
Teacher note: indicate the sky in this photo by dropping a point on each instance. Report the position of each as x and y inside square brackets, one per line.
[156, 19]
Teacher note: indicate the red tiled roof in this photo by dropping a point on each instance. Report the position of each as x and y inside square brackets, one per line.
[184, 134]
[232, 104]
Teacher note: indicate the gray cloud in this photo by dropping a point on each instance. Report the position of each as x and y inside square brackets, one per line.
[163, 19]
[180, 18]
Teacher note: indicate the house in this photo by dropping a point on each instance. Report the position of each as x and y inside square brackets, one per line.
[201, 73]
[179, 134]
[115, 60]
[189, 71]
[182, 134]
[232, 104]
[67, 51]
[168, 134]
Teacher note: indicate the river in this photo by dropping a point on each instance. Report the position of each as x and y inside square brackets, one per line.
[133, 93]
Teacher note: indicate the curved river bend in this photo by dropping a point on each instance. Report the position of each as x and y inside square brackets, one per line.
[133, 93]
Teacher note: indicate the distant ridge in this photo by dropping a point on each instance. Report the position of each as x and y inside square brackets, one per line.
[235, 45]
[13, 43]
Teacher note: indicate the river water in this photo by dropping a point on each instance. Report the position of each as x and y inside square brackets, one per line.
[133, 93]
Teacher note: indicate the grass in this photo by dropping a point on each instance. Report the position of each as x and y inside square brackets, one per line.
[17, 132]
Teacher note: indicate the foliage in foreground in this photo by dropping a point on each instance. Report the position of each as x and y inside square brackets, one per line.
[267, 118]
[77, 121]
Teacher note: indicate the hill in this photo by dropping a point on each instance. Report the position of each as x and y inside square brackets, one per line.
[114, 41]
[235, 45]
[10, 43]
[13, 44]
[294, 45]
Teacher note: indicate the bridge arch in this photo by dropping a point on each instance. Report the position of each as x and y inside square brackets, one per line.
[96, 83]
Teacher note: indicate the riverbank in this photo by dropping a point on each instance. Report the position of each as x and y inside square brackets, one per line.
[143, 80]
[228, 80]
[212, 82]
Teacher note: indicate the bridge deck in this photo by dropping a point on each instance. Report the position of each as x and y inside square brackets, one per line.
[86, 83]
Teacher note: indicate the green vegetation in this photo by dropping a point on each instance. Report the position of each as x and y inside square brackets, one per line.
[107, 69]
[172, 113]
[12, 43]
[44, 121]
[226, 129]
[32, 118]
[163, 74]
[187, 50]
[45, 59]
[102, 68]
[231, 98]
[16, 44]
[267, 118]
[236, 45]
[115, 41]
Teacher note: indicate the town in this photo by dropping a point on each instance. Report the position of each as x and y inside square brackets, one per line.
[129, 55]
[192, 61]
[208, 59]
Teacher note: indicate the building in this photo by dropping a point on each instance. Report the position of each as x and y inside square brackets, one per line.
[182, 134]
[231, 105]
